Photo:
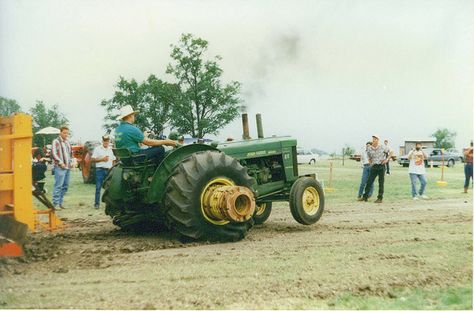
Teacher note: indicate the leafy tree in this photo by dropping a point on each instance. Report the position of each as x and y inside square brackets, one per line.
[204, 104]
[44, 117]
[8, 106]
[444, 138]
[153, 98]
[348, 150]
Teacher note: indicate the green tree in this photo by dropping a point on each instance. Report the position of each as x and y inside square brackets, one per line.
[444, 138]
[8, 106]
[152, 98]
[348, 150]
[204, 105]
[44, 117]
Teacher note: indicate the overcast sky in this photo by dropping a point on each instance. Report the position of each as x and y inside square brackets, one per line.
[328, 73]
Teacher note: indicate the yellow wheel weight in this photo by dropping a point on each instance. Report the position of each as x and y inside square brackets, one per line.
[207, 192]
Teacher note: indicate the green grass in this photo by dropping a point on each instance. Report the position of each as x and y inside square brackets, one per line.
[453, 298]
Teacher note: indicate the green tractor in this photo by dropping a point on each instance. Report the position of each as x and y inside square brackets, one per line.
[212, 192]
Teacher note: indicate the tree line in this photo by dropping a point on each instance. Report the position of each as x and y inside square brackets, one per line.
[42, 116]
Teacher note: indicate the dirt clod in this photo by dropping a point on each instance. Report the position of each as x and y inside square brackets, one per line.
[61, 270]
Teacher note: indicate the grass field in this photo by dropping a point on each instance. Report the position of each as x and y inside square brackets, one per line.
[402, 254]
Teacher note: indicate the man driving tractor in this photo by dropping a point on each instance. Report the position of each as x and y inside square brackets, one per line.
[130, 137]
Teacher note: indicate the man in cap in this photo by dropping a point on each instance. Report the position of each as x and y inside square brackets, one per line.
[379, 155]
[129, 136]
[104, 158]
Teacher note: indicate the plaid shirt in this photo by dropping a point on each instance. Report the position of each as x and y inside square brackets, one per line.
[379, 154]
[61, 152]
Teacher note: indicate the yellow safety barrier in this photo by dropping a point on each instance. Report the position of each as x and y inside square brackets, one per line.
[16, 197]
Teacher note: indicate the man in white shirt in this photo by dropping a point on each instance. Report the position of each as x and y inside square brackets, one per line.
[364, 160]
[417, 171]
[104, 158]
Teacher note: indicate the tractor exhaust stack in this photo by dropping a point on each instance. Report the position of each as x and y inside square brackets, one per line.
[245, 125]
[259, 126]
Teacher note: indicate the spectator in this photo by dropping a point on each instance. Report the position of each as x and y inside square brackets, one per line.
[390, 151]
[364, 160]
[417, 171]
[103, 157]
[130, 137]
[467, 167]
[62, 155]
[378, 155]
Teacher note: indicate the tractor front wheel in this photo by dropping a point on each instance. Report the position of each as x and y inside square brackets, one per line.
[193, 193]
[262, 212]
[306, 200]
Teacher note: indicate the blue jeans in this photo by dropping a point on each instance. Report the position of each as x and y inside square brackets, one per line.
[156, 154]
[61, 184]
[100, 174]
[413, 178]
[467, 174]
[363, 181]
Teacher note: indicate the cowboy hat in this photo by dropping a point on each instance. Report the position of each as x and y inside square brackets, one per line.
[126, 111]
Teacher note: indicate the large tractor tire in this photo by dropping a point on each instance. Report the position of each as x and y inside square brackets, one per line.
[306, 200]
[188, 185]
[87, 166]
[127, 217]
[262, 212]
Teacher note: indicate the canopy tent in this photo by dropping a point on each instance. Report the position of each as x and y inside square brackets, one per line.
[48, 131]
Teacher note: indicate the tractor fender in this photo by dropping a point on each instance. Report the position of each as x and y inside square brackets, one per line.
[163, 171]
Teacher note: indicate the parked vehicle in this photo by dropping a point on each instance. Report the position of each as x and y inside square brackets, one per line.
[435, 155]
[306, 157]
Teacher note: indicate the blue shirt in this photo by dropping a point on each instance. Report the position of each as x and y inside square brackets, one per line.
[128, 136]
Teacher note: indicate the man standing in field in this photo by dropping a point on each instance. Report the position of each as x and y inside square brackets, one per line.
[130, 137]
[364, 160]
[378, 155]
[417, 171]
[385, 142]
[467, 167]
[104, 159]
[62, 156]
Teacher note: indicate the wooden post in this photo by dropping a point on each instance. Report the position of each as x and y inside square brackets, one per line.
[329, 188]
[441, 182]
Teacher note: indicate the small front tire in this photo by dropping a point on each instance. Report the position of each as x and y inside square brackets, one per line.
[262, 212]
[306, 200]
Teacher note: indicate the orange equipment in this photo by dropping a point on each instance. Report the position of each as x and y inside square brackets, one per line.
[16, 200]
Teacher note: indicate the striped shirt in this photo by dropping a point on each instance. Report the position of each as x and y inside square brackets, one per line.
[61, 152]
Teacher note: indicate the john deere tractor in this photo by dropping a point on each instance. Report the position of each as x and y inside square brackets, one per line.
[212, 192]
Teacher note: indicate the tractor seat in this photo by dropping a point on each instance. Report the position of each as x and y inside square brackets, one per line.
[128, 158]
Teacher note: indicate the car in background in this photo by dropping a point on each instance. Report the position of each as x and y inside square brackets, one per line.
[306, 157]
[456, 153]
[435, 156]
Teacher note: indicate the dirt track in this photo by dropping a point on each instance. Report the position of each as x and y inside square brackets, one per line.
[363, 249]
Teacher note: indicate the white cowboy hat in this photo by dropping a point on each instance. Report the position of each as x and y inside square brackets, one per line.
[126, 111]
[376, 136]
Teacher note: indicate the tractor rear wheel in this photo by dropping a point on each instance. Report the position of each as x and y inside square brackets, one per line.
[187, 189]
[306, 200]
[262, 212]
